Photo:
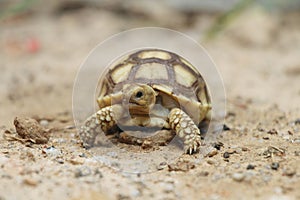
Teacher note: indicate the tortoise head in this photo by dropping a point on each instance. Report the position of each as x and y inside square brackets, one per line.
[140, 98]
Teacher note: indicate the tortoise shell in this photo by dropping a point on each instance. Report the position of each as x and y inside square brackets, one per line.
[164, 71]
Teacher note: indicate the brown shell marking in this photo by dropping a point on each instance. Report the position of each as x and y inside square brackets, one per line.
[155, 66]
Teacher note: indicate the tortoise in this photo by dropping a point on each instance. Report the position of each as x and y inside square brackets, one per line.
[151, 88]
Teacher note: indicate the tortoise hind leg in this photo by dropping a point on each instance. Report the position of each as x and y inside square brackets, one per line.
[103, 120]
[186, 129]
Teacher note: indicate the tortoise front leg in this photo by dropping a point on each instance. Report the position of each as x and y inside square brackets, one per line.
[186, 129]
[103, 120]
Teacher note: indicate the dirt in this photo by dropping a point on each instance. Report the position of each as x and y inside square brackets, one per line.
[30, 130]
[257, 156]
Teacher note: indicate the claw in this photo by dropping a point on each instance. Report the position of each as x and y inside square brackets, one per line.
[185, 128]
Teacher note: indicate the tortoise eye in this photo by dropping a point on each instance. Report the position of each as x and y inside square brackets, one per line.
[139, 94]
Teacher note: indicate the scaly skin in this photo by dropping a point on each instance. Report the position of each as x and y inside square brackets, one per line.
[186, 129]
[103, 120]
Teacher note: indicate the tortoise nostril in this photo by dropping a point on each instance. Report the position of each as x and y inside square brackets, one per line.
[139, 94]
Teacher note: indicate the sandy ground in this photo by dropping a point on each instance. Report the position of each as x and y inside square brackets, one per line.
[258, 158]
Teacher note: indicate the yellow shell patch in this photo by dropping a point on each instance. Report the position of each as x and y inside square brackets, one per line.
[154, 54]
[152, 71]
[121, 73]
[183, 76]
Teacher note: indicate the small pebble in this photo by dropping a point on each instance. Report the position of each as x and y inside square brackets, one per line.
[212, 153]
[139, 141]
[162, 165]
[238, 177]
[218, 145]
[250, 166]
[297, 140]
[273, 132]
[297, 121]
[231, 151]
[231, 114]
[211, 162]
[52, 151]
[44, 122]
[266, 137]
[82, 155]
[208, 151]
[245, 149]
[147, 144]
[290, 132]
[226, 128]
[275, 165]
[204, 173]
[77, 161]
[123, 197]
[30, 182]
[261, 129]
[289, 172]
[226, 155]
[60, 161]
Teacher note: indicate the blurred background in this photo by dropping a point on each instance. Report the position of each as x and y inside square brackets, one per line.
[255, 44]
[256, 47]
